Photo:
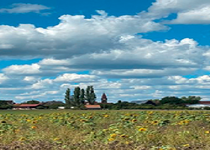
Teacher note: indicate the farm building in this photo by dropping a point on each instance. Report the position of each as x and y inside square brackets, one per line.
[93, 107]
[26, 106]
[201, 104]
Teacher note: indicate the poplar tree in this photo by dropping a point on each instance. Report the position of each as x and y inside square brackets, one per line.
[90, 95]
[82, 96]
[67, 98]
[77, 96]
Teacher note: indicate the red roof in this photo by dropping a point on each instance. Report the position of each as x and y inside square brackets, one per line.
[26, 105]
[204, 102]
[92, 106]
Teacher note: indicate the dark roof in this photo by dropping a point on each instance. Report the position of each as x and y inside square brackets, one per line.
[204, 102]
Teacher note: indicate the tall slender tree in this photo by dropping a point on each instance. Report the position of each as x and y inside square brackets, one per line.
[77, 96]
[90, 95]
[67, 98]
[87, 94]
[82, 96]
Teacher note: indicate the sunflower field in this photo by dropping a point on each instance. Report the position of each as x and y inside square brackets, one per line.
[106, 130]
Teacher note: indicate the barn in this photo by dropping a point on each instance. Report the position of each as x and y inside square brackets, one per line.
[25, 106]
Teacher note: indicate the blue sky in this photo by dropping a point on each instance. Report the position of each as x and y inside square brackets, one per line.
[131, 50]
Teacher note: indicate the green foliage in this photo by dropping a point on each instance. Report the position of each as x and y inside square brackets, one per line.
[82, 96]
[90, 95]
[31, 102]
[67, 99]
[191, 99]
[77, 96]
[5, 105]
[171, 100]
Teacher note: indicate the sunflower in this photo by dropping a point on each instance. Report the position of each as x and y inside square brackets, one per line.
[142, 129]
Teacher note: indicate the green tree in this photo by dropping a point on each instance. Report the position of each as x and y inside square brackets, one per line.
[31, 102]
[171, 100]
[82, 96]
[191, 99]
[77, 96]
[67, 98]
[90, 95]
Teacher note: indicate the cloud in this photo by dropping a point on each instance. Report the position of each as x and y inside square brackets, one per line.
[3, 78]
[75, 78]
[74, 35]
[24, 8]
[188, 11]
[119, 61]
[196, 16]
[137, 58]
[23, 69]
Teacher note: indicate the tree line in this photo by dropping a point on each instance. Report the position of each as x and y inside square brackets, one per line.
[168, 102]
[79, 97]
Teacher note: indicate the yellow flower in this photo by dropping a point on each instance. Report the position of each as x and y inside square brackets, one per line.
[186, 145]
[34, 122]
[33, 127]
[126, 142]
[111, 139]
[56, 139]
[17, 130]
[105, 116]
[22, 139]
[142, 129]
[207, 132]
[133, 120]
[113, 135]
[124, 136]
[155, 122]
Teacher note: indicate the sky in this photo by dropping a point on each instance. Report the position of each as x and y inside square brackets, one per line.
[130, 50]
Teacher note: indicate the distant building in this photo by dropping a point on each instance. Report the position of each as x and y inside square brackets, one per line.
[26, 106]
[93, 107]
[201, 104]
[61, 107]
[103, 99]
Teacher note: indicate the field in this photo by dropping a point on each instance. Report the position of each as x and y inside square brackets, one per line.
[105, 130]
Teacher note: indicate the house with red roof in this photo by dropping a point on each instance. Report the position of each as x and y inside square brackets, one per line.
[201, 104]
[92, 107]
[26, 106]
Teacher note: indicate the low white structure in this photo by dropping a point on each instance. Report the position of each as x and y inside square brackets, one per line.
[61, 107]
[198, 105]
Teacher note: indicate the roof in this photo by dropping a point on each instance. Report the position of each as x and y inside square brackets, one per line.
[204, 102]
[26, 105]
[92, 106]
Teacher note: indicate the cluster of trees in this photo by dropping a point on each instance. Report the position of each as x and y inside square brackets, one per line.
[5, 105]
[79, 97]
[180, 101]
[169, 102]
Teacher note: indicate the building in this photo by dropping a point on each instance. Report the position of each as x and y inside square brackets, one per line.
[93, 107]
[201, 104]
[25, 106]
[103, 99]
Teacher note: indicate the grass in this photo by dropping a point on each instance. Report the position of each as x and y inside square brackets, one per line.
[68, 130]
